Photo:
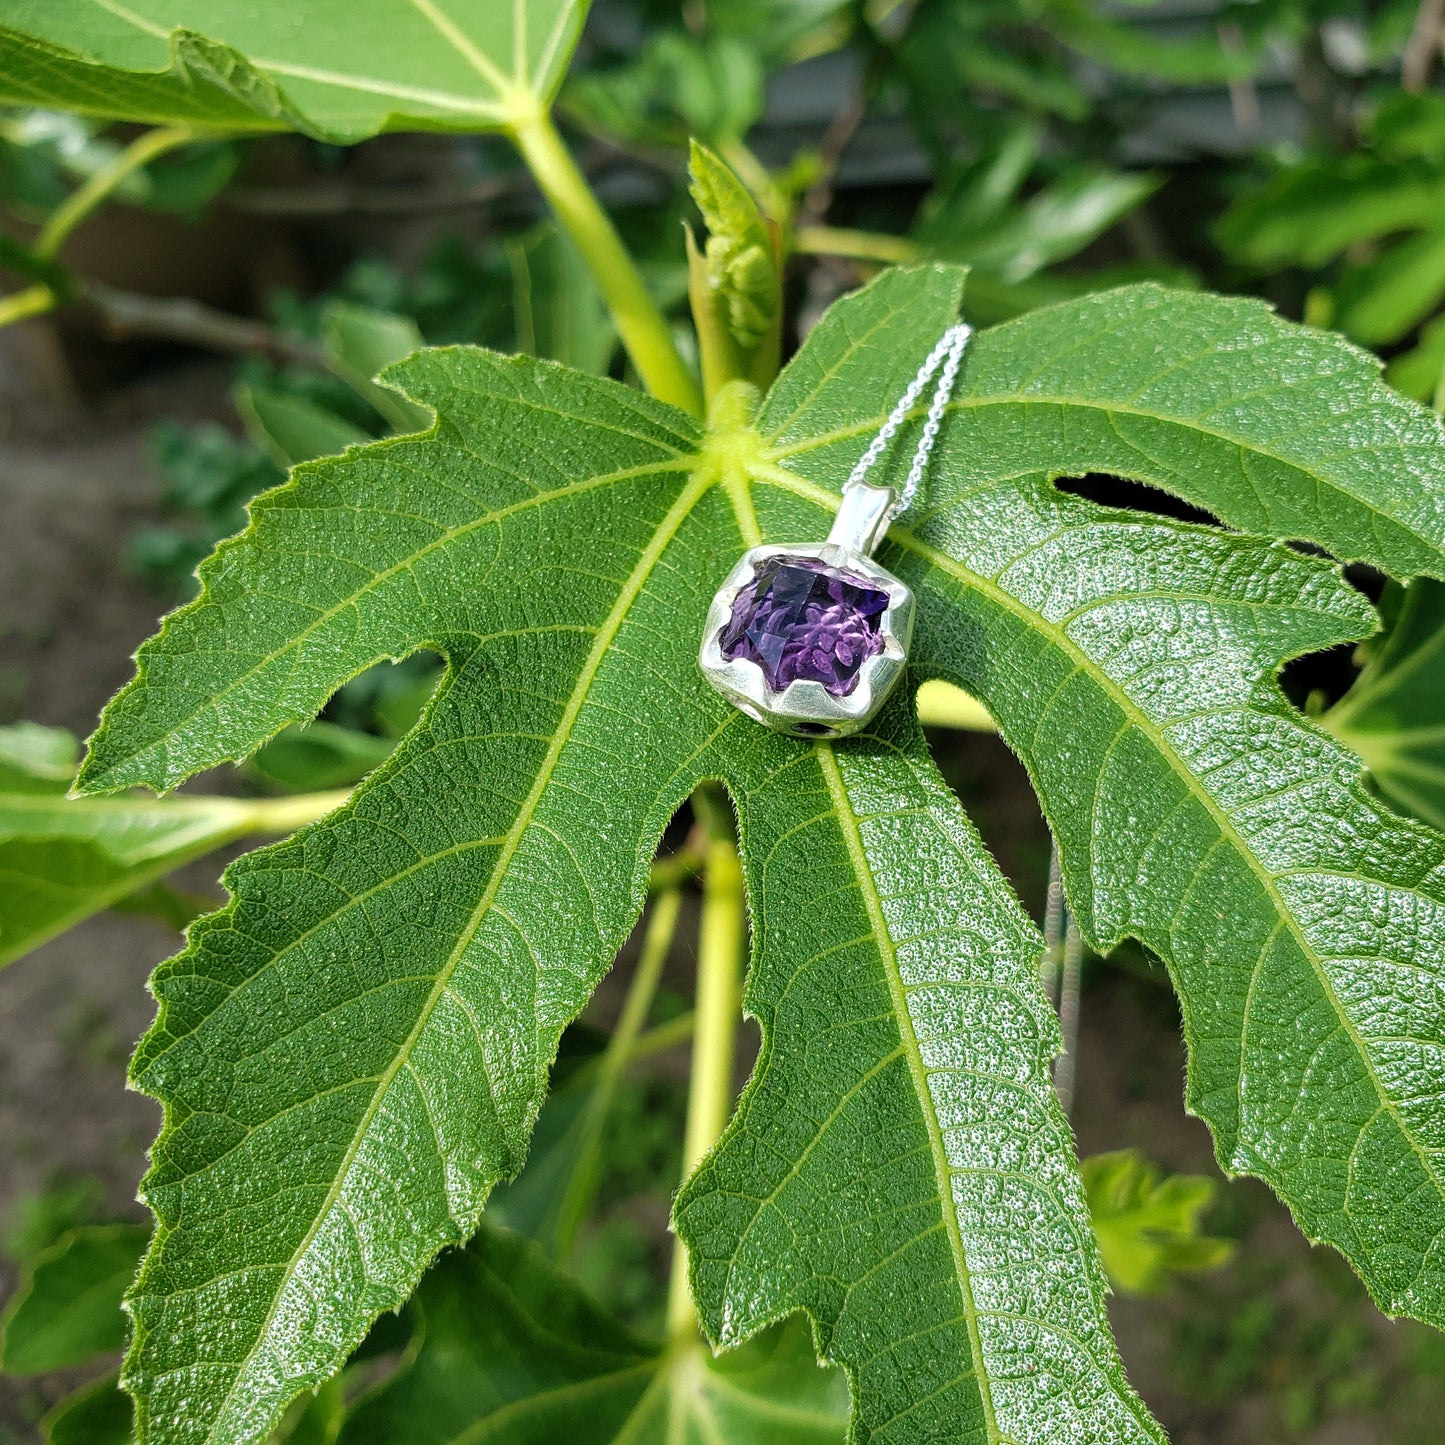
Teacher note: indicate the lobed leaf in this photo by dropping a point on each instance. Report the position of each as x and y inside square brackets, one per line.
[352, 1054]
[340, 70]
[1130, 661]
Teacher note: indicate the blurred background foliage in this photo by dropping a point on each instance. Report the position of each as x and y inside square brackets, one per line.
[1290, 148]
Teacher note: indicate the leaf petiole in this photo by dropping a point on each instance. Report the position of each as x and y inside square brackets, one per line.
[93, 193]
[621, 1049]
[39, 299]
[643, 328]
[721, 933]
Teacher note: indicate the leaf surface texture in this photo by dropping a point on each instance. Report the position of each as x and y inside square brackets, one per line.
[352, 1054]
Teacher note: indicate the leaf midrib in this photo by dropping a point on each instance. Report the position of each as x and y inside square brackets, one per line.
[849, 827]
[1137, 718]
[631, 590]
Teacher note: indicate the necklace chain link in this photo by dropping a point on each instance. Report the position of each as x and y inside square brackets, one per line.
[948, 354]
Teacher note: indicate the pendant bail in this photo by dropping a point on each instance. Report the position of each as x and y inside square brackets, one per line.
[862, 518]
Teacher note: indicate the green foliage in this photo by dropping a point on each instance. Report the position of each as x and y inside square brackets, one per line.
[210, 476]
[505, 1344]
[353, 1053]
[1376, 212]
[353, 68]
[39, 1218]
[429, 1019]
[1148, 1223]
[61, 861]
[97, 1414]
[676, 88]
[557, 311]
[291, 429]
[360, 343]
[67, 1308]
[43, 153]
[1394, 715]
[1120, 626]
[977, 217]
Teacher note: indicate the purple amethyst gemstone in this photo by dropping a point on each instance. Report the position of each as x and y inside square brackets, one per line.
[801, 619]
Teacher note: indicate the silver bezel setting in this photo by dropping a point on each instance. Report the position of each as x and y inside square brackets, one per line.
[805, 708]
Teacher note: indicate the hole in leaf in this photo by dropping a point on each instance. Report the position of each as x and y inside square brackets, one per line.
[1320, 679]
[995, 791]
[1123, 495]
[356, 730]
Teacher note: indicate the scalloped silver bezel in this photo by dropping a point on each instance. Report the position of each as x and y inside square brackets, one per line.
[804, 708]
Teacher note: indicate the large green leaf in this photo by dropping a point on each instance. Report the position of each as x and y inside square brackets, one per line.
[353, 1053]
[338, 69]
[347, 1075]
[1130, 661]
[67, 1308]
[62, 860]
[510, 1350]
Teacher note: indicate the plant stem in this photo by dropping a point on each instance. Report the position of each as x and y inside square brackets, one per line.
[178, 318]
[22, 305]
[621, 1048]
[941, 705]
[285, 815]
[1051, 964]
[38, 299]
[719, 968]
[856, 245]
[1070, 980]
[82, 201]
[641, 325]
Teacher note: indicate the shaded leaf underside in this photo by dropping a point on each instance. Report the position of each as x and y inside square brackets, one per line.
[353, 1053]
[341, 70]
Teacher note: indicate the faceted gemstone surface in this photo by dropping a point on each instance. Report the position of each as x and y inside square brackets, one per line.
[801, 619]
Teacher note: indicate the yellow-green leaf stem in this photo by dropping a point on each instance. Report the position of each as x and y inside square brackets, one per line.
[621, 1049]
[640, 324]
[38, 299]
[855, 245]
[719, 968]
[85, 198]
[22, 305]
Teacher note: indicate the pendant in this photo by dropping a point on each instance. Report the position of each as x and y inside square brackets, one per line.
[810, 638]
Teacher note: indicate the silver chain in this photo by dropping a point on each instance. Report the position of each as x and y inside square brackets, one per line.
[948, 354]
